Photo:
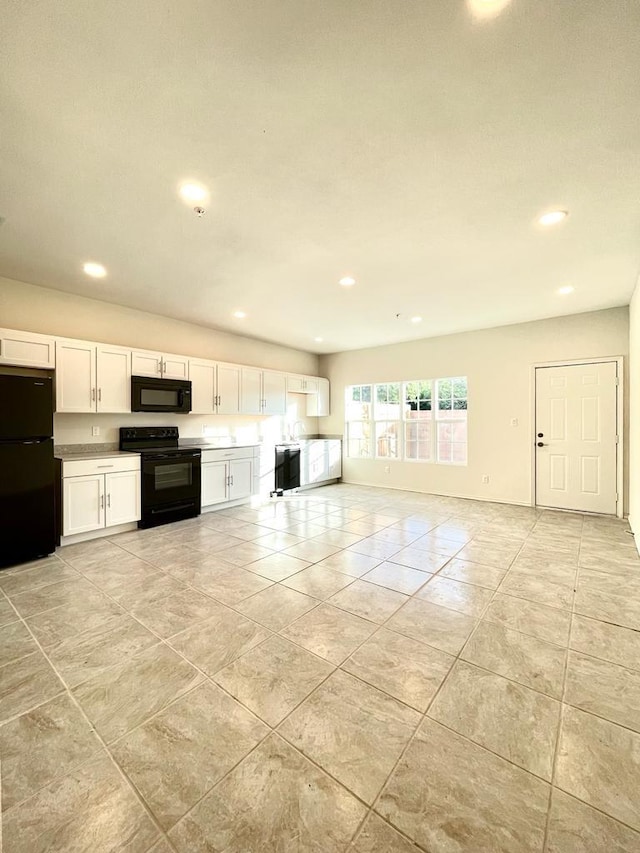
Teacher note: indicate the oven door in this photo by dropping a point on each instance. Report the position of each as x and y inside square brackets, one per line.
[170, 479]
[160, 395]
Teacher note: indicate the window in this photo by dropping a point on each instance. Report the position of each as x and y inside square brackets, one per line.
[359, 418]
[417, 421]
[451, 420]
[422, 420]
[386, 413]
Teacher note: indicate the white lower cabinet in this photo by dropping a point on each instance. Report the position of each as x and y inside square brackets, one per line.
[228, 475]
[93, 499]
[214, 479]
[122, 497]
[83, 504]
[320, 460]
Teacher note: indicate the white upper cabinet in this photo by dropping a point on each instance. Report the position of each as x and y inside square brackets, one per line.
[76, 389]
[274, 393]
[113, 376]
[251, 391]
[26, 349]
[92, 377]
[146, 363]
[302, 384]
[203, 387]
[263, 392]
[175, 367]
[160, 365]
[228, 389]
[318, 405]
[215, 388]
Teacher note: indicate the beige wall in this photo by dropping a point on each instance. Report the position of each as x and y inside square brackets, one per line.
[498, 363]
[52, 312]
[38, 309]
[634, 412]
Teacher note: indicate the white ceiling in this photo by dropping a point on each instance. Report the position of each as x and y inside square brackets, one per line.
[409, 144]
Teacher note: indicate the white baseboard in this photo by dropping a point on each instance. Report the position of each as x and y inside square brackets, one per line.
[482, 498]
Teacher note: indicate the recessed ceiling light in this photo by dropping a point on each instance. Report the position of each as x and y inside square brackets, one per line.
[193, 193]
[416, 319]
[487, 8]
[239, 314]
[566, 290]
[553, 217]
[94, 270]
[318, 340]
[347, 281]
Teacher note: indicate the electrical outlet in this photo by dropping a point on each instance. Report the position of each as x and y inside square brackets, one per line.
[514, 422]
[95, 431]
[387, 469]
[485, 478]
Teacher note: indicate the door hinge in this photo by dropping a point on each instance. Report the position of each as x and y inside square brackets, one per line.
[617, 439]
[617, 380]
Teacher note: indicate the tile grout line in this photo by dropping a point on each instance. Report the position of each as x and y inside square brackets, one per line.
[556, 751]
[231, 607]
[104, 748]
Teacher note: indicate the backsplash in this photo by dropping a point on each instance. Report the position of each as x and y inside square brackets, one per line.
[70, 429]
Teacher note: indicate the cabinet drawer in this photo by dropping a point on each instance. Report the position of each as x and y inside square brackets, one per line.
[101, 465]
[224, 454]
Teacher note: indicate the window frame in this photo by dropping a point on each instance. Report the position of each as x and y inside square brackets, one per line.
[432, 416]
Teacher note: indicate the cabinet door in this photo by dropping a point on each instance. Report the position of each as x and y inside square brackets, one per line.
[241, 478]
[82, 504]
[305, 460]
[310, 385]
[27, 349]
[251, 391]
[318, 461]
[122, 497]
[295, 384]
[214, 483]
[75, 376]
[113, 379]
[274, 393]
[318, 404]
[202, 375]
[146, 363]
[175, 367]
[335, 459]
[228, 389]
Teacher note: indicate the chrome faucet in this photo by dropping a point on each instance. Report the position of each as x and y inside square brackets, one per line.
[294, 434]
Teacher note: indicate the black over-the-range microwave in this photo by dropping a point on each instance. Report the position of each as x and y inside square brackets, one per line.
[149, 394]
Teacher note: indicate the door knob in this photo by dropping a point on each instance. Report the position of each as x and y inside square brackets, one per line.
[540, 444]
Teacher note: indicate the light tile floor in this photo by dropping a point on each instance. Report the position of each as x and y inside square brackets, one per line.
[346, 669]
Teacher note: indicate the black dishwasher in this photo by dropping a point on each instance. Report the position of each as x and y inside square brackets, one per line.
[287, 468]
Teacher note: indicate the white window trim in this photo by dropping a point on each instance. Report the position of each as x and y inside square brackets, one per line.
[433, 419]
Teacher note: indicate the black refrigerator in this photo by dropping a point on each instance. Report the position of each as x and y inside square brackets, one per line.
[27, 480]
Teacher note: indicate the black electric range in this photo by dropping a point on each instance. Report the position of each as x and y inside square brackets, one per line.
[170, 474]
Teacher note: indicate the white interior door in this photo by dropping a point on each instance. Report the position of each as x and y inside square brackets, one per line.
[576, 437]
